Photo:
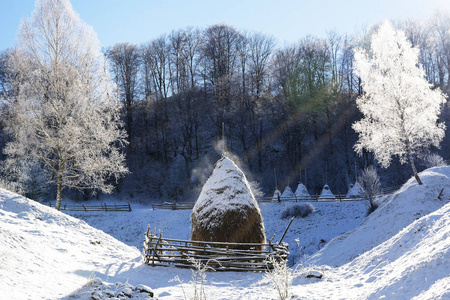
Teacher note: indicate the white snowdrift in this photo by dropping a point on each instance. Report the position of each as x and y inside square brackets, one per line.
[411, 202]
[413, 264]
[45, 254]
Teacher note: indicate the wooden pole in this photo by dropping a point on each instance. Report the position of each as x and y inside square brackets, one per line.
[223, 139]
[292, 219]
[276, 183]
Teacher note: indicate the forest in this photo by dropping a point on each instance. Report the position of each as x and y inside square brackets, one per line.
[283, 112]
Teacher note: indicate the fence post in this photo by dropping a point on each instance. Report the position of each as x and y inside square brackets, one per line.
[129, 206]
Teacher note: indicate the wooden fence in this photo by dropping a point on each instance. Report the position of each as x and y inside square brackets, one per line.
[159, 251]
[312, 198]
[173, 205]
[101, 207]
[190, 205]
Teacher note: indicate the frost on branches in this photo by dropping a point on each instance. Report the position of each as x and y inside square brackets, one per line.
[64, 112]
[400, 107]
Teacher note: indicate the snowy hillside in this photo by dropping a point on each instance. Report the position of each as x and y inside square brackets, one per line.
[413, 264]
[46, 254]
[400, 251]
[397, 211]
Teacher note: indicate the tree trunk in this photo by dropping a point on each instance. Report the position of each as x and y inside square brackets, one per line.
[411, 160]
[58, 192]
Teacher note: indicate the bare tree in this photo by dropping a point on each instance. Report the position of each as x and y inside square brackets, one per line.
[66, 115]
[156, 60]
[220, 56]
[125, 61]
[260, 50]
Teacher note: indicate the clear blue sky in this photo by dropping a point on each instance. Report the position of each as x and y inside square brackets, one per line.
[139, 21]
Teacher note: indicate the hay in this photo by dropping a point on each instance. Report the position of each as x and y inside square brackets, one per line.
[226, 210]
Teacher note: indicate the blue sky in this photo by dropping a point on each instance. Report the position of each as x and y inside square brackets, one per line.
[140, 21]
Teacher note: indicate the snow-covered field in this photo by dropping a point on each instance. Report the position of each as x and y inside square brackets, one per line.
[401, 251]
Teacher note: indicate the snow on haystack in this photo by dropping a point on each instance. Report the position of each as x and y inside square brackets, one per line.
[301, 191]
[287, 194]
[355, 190]
[326, 194]
[276, 195]
[226, 210]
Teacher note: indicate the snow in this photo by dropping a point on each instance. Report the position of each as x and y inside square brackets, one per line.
[400, 251]
[355, 191]
[413, 264]
[301, 191]
[46, 254]
[396, 212]
[288, 194]
[326, 194]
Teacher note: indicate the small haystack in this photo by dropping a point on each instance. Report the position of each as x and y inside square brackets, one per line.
[226, 210]
[326, 194]
[355, 191]
[288, 194]
[301, 192]
[276, 196]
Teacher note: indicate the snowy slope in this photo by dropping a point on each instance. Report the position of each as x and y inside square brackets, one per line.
[401, 251]
[411, 202]
[413, 264]
[46, 254]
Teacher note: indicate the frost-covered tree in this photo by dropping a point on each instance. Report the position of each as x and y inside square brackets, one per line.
[400, 108]
[371, 186]
[64, 114]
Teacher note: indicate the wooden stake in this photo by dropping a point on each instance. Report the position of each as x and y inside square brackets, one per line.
[276, 183]
[279, 242]
[223, 139]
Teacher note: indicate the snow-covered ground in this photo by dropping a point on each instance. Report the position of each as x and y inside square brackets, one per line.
[400, 251]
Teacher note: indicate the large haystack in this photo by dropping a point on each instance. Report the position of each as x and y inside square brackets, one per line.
[226, 210]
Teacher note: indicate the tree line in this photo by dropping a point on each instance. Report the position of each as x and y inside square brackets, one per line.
[286, 111]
